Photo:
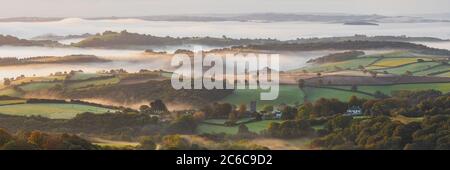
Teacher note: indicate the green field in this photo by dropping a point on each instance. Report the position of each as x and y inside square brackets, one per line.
[444, 87]
[37, 86]
[436, 69]
[92, 83]
[446, 74]
[8, 102]
[37, 79]
[348, 64]
[256, 127]
[416, 67]
[84, 76]
[51, 110]
[10, 92]
[317, 93]
[288, 94]
[394, 62]
[396, 54]
[222, 121]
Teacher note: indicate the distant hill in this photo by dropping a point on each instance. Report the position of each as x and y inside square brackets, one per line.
[124, 39]
[30, 19]
[14, 41]
[346, 45]
[59, 37]
[360, 23]
[51, 60]
[359, 37]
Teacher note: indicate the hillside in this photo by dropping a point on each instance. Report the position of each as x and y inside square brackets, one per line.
[51, 60]
[14, 41]
[125, 39]
[346, 45]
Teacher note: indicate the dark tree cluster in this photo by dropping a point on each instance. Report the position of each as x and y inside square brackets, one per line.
[289, 129]
[43, 141]
[383, 133]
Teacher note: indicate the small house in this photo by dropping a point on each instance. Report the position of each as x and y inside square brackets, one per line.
[354, 111]
[277, 114]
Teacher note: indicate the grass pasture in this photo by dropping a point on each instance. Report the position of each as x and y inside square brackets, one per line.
[37, 86]
[37, 79]
[93, 83]
[443, 87]
[51, 110]
[446, 74]
[395, 62]
[317, 93]
[416, 67]
[222, 121]
[85, 76]
[348, 64]
[437, 69]
[288, 94]
[9, 102]
[256, 127]
[10, 92]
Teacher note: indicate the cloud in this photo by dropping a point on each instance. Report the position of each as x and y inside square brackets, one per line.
[90, 8]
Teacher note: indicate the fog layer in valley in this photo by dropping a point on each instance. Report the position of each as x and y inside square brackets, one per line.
[278, 30]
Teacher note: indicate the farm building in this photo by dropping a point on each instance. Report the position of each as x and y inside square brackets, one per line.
[354, 111]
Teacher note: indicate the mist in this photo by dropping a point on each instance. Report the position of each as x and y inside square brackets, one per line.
[89, 8]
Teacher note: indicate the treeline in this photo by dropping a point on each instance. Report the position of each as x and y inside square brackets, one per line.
[123, 126]
[125, 39]
[72, 101]
[406, 103]
[330, 113]
[384, 133]
[336, 57]
[346, 45]
[37, 140]
[50, 60]
[14, 41]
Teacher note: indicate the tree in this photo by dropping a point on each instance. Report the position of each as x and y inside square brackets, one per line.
[18, 145]
[158, 105]
[408, 73]
[5, 137]
[405, 132]
[373, 74]
[175, 142]
[183, 124]
[354, 88]
[199, 115]
[243, 129]
[37, 138]
[144, 108]
[233, 117]
[242, 110]
[304, 112]
[6, 81]
[268, 108]
[147, 143]
[301, 83]
[355, 101]
[339, 122]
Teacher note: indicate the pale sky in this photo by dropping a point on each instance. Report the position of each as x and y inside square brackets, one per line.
[104, 8]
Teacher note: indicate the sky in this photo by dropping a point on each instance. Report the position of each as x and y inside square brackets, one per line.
[120, 8]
